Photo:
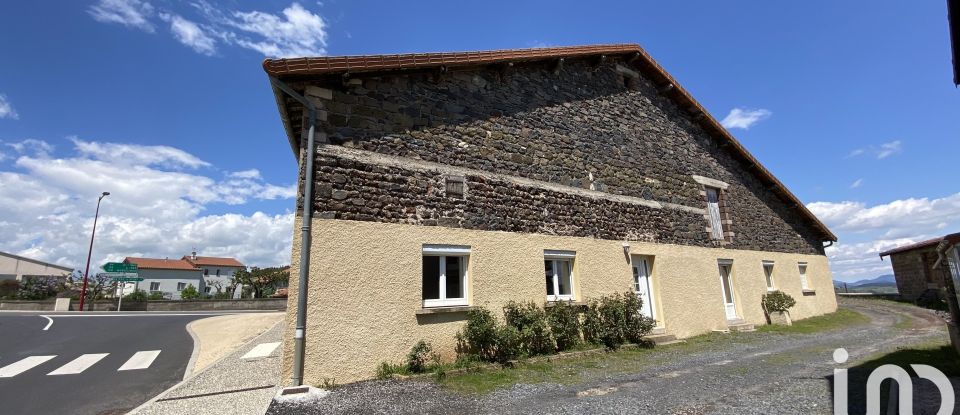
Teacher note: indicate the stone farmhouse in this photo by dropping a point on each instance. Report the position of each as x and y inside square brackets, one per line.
[445, 181]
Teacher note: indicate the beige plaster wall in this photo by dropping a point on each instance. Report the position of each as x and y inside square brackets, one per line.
[365, 287]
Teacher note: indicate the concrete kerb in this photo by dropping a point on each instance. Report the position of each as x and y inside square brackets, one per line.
[195, 353]
[190, 364]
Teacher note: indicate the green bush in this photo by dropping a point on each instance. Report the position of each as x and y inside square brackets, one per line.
[638, 325]
[9, 288]
[479, 335]
[190, 293]
[615, 319]
[38, 288]
[509, 344]
[564, 321]
[418, 356]
[777, 301]
[387, 370]
[155, 296]
[136, 296]
[531, 323]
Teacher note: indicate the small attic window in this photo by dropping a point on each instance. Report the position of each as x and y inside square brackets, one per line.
[455, 187]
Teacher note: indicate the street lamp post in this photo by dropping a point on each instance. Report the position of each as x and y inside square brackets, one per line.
[86, 274]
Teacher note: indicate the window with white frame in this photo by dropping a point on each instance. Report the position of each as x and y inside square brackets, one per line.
[445, 275]
[768, 273]
[558, 269]
[803, 276]
[154, 286]
[181, 286]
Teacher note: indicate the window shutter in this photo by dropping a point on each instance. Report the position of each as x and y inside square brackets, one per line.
[713, 209]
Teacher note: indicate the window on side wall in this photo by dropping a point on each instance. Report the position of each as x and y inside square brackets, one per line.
[803, 276]
[558, 270]
[154, 286]
[768, 273]
[445, 281]
[713, 211]
[181, 286]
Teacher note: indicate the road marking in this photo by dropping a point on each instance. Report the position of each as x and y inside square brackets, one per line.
[23, 365]
[79, 364]
[140, 360]
[50, 323]
[262, 350]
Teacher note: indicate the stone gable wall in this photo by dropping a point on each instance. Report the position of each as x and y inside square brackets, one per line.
[586, 125]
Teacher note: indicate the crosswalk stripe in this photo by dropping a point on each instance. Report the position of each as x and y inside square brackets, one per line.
[79, 364]
[140, 360]
[23, 365]
[261, 350]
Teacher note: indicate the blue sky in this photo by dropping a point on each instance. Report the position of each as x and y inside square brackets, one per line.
[849, 103]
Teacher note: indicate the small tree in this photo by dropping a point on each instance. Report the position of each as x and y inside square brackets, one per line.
[217, 285]
[190, 293]
[259, 279]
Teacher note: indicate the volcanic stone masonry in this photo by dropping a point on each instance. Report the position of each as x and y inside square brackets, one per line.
[523, 140]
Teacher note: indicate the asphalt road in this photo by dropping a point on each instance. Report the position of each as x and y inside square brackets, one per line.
[88, 385]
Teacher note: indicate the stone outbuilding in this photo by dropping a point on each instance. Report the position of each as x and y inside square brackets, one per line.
[448, 181]
[918, 271]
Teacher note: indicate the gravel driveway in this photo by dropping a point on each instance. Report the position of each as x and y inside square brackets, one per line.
[748, 373]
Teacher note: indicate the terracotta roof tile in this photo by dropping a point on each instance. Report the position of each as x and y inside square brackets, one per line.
[154, 263]
[306, 66]
[213, 261]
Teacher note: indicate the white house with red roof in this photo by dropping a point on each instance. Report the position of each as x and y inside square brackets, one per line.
[216, 271]
[170, 277]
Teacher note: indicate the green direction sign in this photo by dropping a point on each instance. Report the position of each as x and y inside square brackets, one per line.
[127, 279]
[120, 267]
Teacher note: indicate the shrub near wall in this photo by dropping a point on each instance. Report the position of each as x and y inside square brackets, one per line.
[528, 330]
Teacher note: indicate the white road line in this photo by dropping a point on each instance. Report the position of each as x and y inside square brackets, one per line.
[261, 350]
[50, 323]
[140, 360]
[23, 365]
[79, 364]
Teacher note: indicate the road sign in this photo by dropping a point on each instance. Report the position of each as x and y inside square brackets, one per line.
[120, 267]
[126, 279]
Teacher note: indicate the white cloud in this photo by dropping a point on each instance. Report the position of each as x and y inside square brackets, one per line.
[298, 32]
[46, 206]
[295, 31]
[130, 13]
[190, 34]
[30, 146]
[136, 154]
[899, 218]
[880, 152]
[888, 149]
[744, 118]
[6, 109]
[856, 183]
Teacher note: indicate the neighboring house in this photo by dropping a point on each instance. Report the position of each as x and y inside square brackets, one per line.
[216, 270]
[913, 267]
[948, 252]
[16, 267]
[454, 180]
[167, 276]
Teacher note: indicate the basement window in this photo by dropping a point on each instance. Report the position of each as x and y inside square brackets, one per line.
[445, 275]
[558, 270]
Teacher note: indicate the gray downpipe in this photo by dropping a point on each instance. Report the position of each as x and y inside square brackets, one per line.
[299, 336]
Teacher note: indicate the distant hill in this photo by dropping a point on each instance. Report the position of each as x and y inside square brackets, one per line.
[886, 279]
[883, 284]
